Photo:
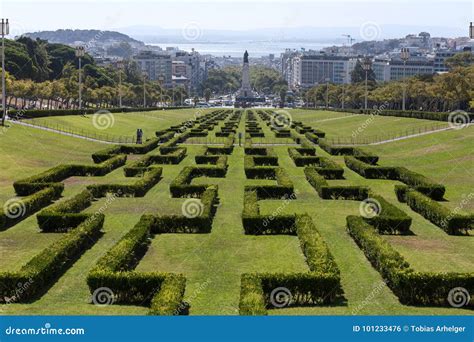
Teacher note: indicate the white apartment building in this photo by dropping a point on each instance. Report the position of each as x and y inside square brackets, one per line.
[394, 69]
[158, 67]
[307, 70]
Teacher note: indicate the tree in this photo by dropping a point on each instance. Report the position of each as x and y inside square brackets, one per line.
[207, 94]
[358, 74]
[463, 59]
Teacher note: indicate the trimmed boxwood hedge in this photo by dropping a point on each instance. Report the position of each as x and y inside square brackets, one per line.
[59, 173]
[181, 186]
[391, 220]
[411, 287]
[32, 204]
[335, 150]
[321, 286]
[41, 271]
[65, 214]
[371, 171]
[327, 191]
[138, 189]
[284, 187]
[256, 224]
[448, 220]
[182, 224]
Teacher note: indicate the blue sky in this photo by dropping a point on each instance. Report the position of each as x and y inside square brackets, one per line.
[233, 15]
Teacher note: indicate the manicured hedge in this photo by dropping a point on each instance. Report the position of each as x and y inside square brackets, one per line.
[31, 204]
[303, 156]
[329, 169]
[411, 287]
[44, 268]
[137, 189]
[421, 183]
[371, 171]
[450, 221]
[59, 173]
[37, 113]
[283, 188]
[327, 191]
[182, 224]
[181, 186]
[65, 214]
[315, 249]
[173, 156]
[391, 220]
[256, 224]
[335, 150]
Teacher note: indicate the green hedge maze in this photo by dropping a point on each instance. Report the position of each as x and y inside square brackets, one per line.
[230, 228]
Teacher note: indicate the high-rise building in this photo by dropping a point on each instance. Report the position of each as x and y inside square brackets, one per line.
[306, 69]
[157, 66]
[392, 69]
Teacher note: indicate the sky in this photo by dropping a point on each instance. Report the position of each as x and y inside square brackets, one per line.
[27, 15]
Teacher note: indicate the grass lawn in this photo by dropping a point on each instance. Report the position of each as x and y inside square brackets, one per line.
[363, 127]
[120, 124]
[213, 263]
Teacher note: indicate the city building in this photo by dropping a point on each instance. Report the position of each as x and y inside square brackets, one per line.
[306, 69]
[440, 60]
[157, 66]
[394, 68]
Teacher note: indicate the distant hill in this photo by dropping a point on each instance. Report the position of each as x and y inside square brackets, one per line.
[71, 36]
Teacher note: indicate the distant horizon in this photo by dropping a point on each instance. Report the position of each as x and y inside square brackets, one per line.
[451, 18]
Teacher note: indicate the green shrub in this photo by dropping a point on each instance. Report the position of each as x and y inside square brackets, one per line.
[65, 214]
[326, 191]
[390, 220]
[138, 189]
[370, 171]
[41, 271]
[30, 205]
[450, 221]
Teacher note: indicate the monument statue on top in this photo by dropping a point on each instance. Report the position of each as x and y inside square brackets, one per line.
[246, 95]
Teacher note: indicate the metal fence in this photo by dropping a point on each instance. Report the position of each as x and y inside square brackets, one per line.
[365, 140]
[106, 137]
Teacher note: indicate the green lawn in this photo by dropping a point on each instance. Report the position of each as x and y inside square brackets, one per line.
[363, 127]
[120, 124]
[213, 263]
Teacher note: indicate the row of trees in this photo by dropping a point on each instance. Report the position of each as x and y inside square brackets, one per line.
[229, 79]
[443, 92]
[46, 75]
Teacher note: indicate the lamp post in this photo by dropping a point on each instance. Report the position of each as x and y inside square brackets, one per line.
[471, 31]
[80, 52]
[404, 55]
[327, 92]
[366, 65]
[144, 89]
[343, 95]
[120, 67]
[5, 28]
